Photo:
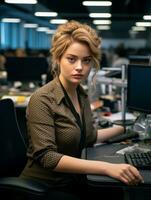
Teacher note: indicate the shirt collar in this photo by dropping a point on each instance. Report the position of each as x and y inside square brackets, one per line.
[59, 94]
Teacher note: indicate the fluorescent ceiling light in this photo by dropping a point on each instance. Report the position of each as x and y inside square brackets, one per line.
[101, 21]
[11, 20]
[27, 25]
[104, 15]
[97, 3]
[42, 29]
[21, 1]
[103, 27]
[58, 21]
[133, 32]
[46, 14]
[50, 31]
[138, 28]
[147, 17]
[143, 24]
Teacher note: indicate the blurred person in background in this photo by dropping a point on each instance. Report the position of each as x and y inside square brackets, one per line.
[120, 56]
[20, 52]
[3, 72]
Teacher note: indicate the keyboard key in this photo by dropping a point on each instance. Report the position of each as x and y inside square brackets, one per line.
[141, 160]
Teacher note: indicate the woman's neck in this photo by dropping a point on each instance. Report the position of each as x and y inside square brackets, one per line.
[72, 93]
[69, 87]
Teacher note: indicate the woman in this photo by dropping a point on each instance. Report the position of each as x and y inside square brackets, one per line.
[59, 118]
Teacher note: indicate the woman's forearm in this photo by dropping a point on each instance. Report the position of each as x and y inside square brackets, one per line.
[123, 172]
[70, 164]
[106, 133]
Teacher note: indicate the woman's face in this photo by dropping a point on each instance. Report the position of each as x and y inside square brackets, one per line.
[75, 63]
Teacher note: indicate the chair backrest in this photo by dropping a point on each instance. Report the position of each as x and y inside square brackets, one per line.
[12, 145]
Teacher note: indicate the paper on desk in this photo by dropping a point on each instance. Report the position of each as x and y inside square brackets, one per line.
[17, 99]
[118, 116]
[132, 148]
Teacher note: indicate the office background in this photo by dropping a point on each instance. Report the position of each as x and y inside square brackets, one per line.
[121, 27]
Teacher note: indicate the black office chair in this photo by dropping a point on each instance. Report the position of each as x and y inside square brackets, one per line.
[13, 158]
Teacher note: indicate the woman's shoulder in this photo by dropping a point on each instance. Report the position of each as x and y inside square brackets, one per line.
[49, 91]
[46, 89]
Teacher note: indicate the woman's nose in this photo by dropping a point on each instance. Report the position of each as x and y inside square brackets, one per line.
[79, 65]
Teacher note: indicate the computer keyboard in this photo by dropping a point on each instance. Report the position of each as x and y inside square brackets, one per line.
[123, 137]
[141, 160]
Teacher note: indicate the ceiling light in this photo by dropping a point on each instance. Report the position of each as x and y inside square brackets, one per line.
[143, 23]
[27, 25]
[58, 21]
[42, 29]
[50, 31]
[104, 15]
[97, 3]
[147, 17]
[11, 20]
[46, 14]
[138, 28]
[21, 1]
[101, 21]
[103, 27]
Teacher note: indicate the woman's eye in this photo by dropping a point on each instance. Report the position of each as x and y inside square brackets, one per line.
[71, 60]
[87, 61]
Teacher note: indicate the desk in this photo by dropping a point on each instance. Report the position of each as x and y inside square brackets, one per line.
[19, 100]
[107, 152]
[19, 97]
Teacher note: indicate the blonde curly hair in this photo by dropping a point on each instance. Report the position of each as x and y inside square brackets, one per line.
[69, 32]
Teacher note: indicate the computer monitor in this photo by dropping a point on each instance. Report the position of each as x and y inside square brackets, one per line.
[140, 59]
[26, 69]
[138, 88]
[104, 61]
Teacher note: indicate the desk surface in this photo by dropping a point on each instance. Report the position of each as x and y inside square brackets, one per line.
[20, 98]
[107, 152]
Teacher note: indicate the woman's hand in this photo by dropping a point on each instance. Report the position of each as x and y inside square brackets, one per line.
[125, 173]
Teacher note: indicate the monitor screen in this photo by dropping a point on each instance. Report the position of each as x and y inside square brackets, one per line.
[138, 88]
[25, 69]
[140, 59]
[104, 61]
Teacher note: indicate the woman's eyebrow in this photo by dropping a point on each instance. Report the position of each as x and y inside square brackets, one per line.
[89, 56]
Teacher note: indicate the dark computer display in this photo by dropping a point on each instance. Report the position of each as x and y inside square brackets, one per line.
[104, 61]
[26, 69]
[138, 88]
[140, 59]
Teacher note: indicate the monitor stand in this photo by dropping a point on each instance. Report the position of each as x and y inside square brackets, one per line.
[123, 122]
[126, 122]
